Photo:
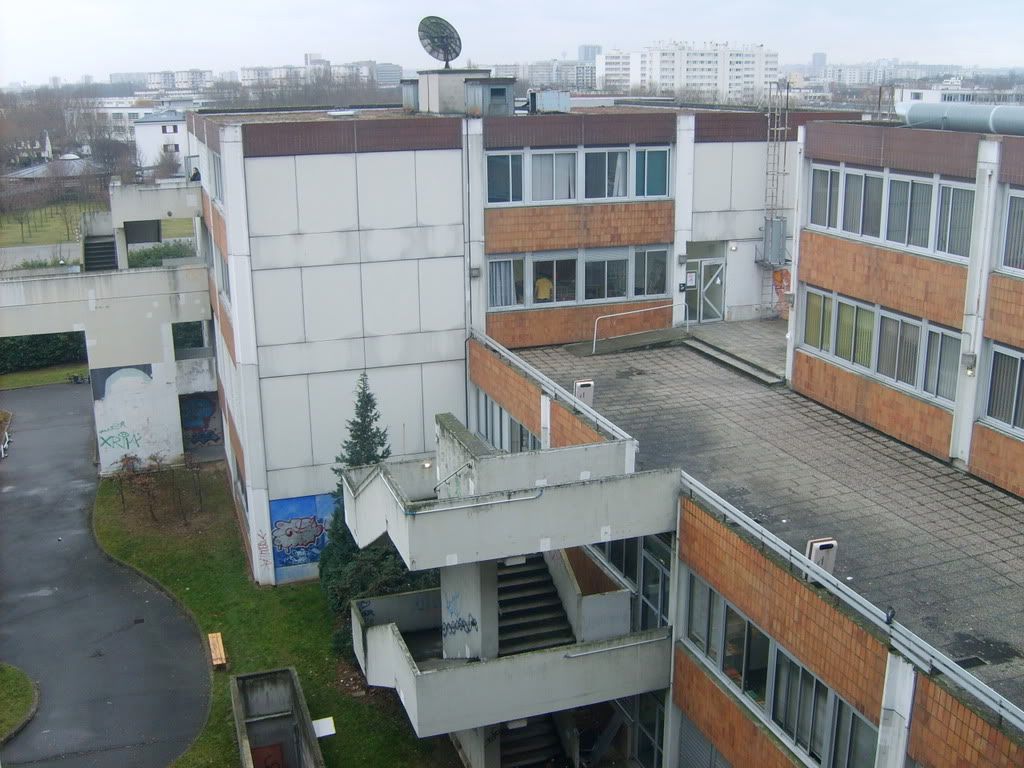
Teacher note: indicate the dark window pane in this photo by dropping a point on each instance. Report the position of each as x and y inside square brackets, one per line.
[899, 205]
[1013, 252]
[888, 337]
[906, 370]
[1003, 387]
[844, 331]
[594, 274]
[697, 614]
[920, 214]
[657, 272]
[715, 639]
[618, 275]
[755, 677]
[862, 340]
[735, 637]
[819, 723]
[657, 173]
[812, 320]
[517, 177]
[819, 197]
[641, 173]
[498, 182]
[833, 199]
[640, 273]
[595, 166]
[872, 224]
[863, 741]
[853, 203]
[781, 698]
[565, 280]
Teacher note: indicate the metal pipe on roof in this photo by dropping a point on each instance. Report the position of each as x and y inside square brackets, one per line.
[1004, 119]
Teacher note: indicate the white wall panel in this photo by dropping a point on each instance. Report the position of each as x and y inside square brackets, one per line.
[439, 186]
[312, 357]
[387, 189]
[313, 250]
[406, 348]
[390, 298]
[331, 405]
[332, 302]
[444, 391]
[277, 296]
[712, 176]
[270, 195]
[286, 431]
[442, 294]
[400, 397]
[326, 192]
[411, 243]
[748, 170]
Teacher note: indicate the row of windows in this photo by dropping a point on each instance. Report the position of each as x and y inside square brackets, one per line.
[646, 563]
[903, 350]
[810, 715]
[554, 277]
[499, 429]
[216, 177]
[540, 177]
[908, 211]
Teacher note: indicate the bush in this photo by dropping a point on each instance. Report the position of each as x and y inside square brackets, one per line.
[20, 353]
[154, 255]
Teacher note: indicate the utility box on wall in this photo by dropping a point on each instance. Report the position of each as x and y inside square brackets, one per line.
[584, 390]
[822, 552]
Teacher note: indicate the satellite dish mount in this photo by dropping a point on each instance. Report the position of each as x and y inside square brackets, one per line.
[440, 39]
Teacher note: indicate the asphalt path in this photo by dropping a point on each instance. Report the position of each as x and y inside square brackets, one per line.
[122, 672]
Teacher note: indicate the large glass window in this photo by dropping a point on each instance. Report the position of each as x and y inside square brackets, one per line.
[554, 280]
[854, 331]
[855, 741]
[942, 364]
[862, 207]
[605, 174]
[1006, 388]
[504, 178]
[956, 209]
[505, 282]
[909, 215]
[554, 176]
[655, 577]
[606, 278]
[650, 729]
[818, 321]
[650, 273]
[898, 342]
[651, 172]
[1013, 249]
[825, 197]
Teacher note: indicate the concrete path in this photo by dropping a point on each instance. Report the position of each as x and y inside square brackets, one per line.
[122, 672]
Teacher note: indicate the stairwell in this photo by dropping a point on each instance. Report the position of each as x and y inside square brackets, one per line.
[98, 253]
[530, 612]
[535, 744]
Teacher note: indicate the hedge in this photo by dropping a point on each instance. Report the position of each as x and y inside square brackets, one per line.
[20, 353]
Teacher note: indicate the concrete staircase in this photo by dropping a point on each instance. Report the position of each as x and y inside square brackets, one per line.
[536, 744]
[98, 253]
[530, 613]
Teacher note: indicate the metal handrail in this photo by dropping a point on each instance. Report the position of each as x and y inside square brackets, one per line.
[686, 318]
[551, 387]
[918, 651]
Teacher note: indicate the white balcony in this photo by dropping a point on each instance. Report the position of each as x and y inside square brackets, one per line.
[169, 199]
[397, 641]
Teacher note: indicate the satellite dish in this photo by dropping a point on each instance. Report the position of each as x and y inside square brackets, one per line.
[440, 39]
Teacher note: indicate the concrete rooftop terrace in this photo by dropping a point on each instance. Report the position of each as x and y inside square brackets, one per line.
[943, 548]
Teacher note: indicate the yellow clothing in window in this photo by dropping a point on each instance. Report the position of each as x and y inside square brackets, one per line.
[542, 289]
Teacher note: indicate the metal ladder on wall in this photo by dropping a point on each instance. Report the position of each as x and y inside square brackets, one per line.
[777, 119]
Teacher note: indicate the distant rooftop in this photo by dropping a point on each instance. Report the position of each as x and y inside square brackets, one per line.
[167, 116]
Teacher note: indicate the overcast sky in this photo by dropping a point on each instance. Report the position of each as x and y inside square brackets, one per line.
[70, 38]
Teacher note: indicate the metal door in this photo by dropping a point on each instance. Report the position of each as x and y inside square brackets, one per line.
[712, 290]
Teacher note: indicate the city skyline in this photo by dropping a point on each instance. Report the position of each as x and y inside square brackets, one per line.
[268, 35]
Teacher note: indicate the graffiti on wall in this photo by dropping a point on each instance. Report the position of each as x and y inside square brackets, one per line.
[457, 623]
[299, 529]
[200, 420]
[120, 437]
[781, 284]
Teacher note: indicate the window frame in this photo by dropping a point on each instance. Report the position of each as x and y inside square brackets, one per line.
[508, 155]
[645, 250]
[637, 150]
[1006, 427]
[553, 154]
[1011, 195]
[511, 258]
[604, 256]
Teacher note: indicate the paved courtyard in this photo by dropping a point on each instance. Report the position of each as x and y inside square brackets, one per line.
[941, 547]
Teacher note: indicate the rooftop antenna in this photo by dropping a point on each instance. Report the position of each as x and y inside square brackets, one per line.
[440, 39]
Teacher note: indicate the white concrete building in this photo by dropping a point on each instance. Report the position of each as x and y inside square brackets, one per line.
[161, 134]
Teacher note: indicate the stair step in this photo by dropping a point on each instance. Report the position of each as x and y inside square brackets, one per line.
[536, 757]
[519, 580]
[518, 608]
[527, 590]
[530, 743]
[535, 726]
[522, 646]
[736, 363]
[536, 566]
[558, 626]
[530, 618]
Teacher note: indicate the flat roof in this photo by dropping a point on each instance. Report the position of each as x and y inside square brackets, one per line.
[943, 548]
[324, 114]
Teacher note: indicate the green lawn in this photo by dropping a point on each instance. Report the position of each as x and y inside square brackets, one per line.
[203, 565]
[55, 374]
[16, 700]
[176, 228]
[46, 226]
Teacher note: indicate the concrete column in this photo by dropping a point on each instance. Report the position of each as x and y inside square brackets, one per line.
[984, 245]
[480, 747]
[120, 248]
[469, 611]
[802, 191]
[545, 422]
[683, 194]
[474, 192]
[897, 703]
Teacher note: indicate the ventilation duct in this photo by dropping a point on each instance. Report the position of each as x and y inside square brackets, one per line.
[1003, 119]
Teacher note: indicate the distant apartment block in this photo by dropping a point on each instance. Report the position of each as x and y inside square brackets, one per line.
[720, 71]
[588, 53]
[385, 75]
[128, 78]
[182, 80]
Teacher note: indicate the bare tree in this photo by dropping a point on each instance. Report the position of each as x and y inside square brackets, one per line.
[127, 472]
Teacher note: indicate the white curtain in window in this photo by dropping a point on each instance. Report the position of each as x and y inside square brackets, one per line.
[565, 176]
[502, 284]
[543, 177]
[617, 174]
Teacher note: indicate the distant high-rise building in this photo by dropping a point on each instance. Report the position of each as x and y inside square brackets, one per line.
[588, 53]
[87, 80]
[818, 62]
[128, 78]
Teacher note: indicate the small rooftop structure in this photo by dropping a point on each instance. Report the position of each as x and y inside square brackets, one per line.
[166, 116]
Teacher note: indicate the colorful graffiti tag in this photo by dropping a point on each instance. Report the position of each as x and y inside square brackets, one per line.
[118, 436]
[200, 420]
[299, 530]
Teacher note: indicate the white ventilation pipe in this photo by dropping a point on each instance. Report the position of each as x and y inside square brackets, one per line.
[1004, 119]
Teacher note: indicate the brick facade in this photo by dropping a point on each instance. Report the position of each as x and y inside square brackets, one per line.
[551, 227]
[1004, 315]
[945, 733]
[569, 429]
[846, 657]
[561, 325]
[997, 458]
[741, 740]
[215, 223]
[590, 577]
[506, 386]
[905, 417]
[903, 282]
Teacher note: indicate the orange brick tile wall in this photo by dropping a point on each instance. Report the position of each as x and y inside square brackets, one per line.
[544, 327]
[550, 227]
[215, 223]
[741, 740]
[569, 429]
[915, 422]
[1004, 316]
[915, 285]
[944, 733]
[847, 657]
[229, 423]
[998, 459]
[227, 331]
[506, 386]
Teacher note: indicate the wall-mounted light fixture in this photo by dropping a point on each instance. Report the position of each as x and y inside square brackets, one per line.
[475, 272]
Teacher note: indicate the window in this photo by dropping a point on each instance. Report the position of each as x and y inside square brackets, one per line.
[623, 555]
[169, 129]
[651, 172]
[818, 321]
[909, 215]
[862, 208]
[942, 363]
[605, 278]
[650, 729]
[1006, 388]
[605, 174]
[655, 577]
[825, 197]
[650, 273]
[1013, 249]
[854, 331]
[956, 209]
[133, 115]
[898, 342]
[223, 273]
[170, 147]
[554, 280]
[217, 178]
[504, 178]
[855, 741]
[505, 282]
[554, 176]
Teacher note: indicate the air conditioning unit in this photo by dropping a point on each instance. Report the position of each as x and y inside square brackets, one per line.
[584, 390]
[821, 552]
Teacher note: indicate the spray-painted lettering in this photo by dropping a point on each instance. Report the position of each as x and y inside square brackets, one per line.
[263, 549]
[467, 624]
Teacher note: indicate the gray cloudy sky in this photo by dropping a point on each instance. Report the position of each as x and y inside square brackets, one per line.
[70, 38]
